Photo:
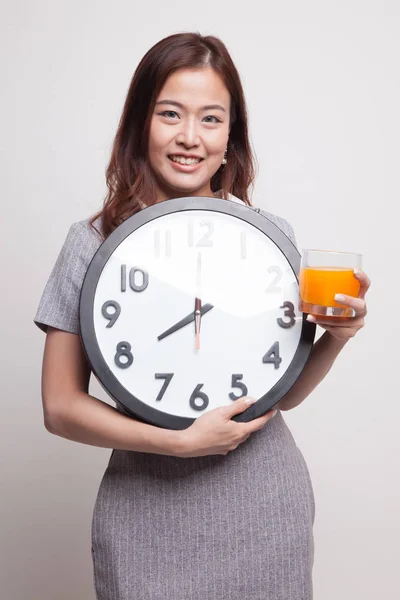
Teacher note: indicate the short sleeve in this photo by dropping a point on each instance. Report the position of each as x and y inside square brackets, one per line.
[59, 304]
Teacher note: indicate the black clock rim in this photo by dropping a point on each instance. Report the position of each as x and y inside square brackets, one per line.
[103, 373]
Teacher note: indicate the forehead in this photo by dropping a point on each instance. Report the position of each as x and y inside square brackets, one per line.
[196, 87]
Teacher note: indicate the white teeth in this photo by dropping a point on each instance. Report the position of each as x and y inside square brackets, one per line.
[185, 161]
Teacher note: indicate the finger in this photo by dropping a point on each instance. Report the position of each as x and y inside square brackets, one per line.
[238, 406]
[352, 323]
[364, 281]
[358, 304]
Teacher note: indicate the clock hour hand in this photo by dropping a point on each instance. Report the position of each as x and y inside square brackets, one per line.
[185, 321]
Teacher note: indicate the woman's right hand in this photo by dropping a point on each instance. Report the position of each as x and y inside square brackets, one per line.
[216, 433]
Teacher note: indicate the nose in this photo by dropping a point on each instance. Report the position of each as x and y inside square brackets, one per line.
[188, 134]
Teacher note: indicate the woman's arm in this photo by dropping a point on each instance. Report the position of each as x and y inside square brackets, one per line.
[325, 350]
[70, 412]
[322, 357]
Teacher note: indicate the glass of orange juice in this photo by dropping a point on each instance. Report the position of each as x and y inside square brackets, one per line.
[324, 273]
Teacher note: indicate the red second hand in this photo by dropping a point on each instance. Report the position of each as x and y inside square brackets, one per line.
[197, 313]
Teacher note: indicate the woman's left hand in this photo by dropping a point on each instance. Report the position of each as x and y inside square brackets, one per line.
[346, 328]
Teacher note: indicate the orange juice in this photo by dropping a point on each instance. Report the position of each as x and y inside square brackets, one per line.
[318, 286]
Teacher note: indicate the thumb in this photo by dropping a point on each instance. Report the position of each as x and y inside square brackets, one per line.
[239, 406]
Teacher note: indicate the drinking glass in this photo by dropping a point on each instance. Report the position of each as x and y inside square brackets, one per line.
[324, 273]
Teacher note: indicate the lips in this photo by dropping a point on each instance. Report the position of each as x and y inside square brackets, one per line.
[185, 160]
[185, 165]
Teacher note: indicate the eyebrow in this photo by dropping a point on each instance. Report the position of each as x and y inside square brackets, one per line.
[179, 105]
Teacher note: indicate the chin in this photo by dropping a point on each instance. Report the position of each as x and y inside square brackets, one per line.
[188, 188]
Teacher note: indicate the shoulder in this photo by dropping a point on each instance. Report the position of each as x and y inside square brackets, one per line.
[59, 303]
[88, 231]
[83, 240]
[280, 222]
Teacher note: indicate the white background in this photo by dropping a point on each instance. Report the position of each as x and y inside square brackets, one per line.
[322, 84]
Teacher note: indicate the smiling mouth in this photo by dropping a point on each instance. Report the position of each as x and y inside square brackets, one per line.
[185, 161]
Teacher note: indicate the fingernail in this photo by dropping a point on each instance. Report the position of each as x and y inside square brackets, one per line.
[250, 401]
[340, 298]
[357, 272]
[274, 414]
[311, 318]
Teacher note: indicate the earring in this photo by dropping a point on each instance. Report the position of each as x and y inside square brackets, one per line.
[224, 160]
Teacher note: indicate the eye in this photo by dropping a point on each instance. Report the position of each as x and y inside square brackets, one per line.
[168, 113]
[213, 117]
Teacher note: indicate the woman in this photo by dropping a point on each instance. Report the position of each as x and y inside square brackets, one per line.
[221, 509]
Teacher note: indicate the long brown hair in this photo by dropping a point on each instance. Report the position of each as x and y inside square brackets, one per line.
[130, 180]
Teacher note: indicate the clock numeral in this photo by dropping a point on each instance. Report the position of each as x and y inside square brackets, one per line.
[197, 394]
[289, 312]
[166, 247]
[273, 287]
[134, 285]
[272, 356]
[167, 377]
[123, 350]
[243, 245]
[111, 317]
[132, 280]
[205, 240]
[238, 384]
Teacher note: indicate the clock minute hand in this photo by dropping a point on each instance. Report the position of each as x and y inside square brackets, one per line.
[197, 303]
[185, 321]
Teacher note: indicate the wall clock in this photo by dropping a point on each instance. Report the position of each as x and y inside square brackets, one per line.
[191, 304]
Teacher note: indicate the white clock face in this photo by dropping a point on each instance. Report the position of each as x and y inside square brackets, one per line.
[250, 325]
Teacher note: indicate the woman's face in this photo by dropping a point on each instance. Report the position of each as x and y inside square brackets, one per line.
[189, 132]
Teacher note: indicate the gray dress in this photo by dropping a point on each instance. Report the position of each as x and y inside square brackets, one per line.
[235, 527]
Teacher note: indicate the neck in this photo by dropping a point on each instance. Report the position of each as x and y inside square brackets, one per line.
[168, 194]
